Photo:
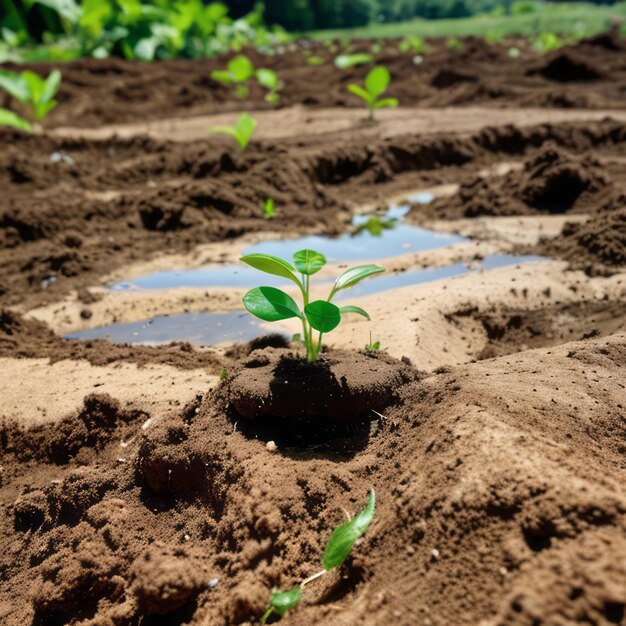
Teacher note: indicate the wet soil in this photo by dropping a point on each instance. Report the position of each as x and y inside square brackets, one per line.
[496, 452]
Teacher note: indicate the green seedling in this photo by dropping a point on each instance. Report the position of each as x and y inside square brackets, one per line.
[375, 85]
[546, 42]
[241, 132]
[372, 346]
[315, 60]
[337, 550]
[346, 61]
[224, 374]
[375, 226]
[36, 94]
[412, 44]
[269, 209]
[238, 72]
[269, 79]
[281, 602]
[455, 44]
[273, 305]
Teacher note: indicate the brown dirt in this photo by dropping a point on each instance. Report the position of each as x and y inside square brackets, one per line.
[337, 388]
[131, 491]
[589, 74]
[198, 499]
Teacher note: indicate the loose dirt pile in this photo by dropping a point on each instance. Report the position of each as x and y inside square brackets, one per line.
[195, 519]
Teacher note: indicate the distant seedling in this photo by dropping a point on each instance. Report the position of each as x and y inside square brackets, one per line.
[412, 44]
[375, 85]
[455, 44]
[36, 94]
[272, 305]
[346, 61]
[240, 70]
[269, 209]
[372, 346]
[337, 550]
[241, 132]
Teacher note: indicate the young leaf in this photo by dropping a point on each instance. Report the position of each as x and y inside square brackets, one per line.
[323, 316]
[245, 127]
[377, 81]
[51, 86]
[15, 85]
[222, 76]
[270, 304]
[360, 92]
[241, 68]
[8, 118]
[355, 309]
[309, 262]
[352, 276]
[267, 78]
[271, 265]
[344, 61]
[386, 103]
[282, 601]
[269, 208]
[343, 537]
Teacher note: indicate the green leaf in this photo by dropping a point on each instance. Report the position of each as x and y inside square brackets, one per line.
[386, 102]
[15, 85]
[8, 118]
[282, 601]
[267, 78]
[51, 86]
[352, 276]
[245, 127]
[344, 61]
[359, 91]
[241, 68]
[323, 316]
[269, 209]
[270, 304]
[355, 309]
[271, 265]
[222, 76]
[377, 81]
[309, 262]
[343, 537]
[67, 9]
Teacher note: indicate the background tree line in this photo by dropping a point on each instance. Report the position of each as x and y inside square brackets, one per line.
[303, 15]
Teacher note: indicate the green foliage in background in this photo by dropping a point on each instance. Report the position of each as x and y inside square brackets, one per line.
[133, 29]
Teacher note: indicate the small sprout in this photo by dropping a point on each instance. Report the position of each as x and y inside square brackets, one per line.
[372, 346]
[269, 209]
[315, 60]
[224, 374]
[375, 85]
[412, 44]
[241, 132]
[35, 93]
[346, 61]
[455, 44]
[281, 602]
[375, 226]
[514, 53]
[344, 536]
[269, 79]
[273, 305]
[239, 71]
[546, 42]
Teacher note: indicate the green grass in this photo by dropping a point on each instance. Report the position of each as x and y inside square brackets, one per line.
[568, 19]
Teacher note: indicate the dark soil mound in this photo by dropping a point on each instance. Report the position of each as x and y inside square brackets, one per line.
[597, 246]
[339, 387]
[568, 67]
[552, 181]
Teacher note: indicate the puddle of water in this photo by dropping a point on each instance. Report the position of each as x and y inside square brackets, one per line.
[197, 328]
[213, 328]
[383, 282]
[375, 235]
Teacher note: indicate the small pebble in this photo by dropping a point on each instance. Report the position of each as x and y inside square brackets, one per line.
[213, 582]
[435, 553]
[271, 446]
